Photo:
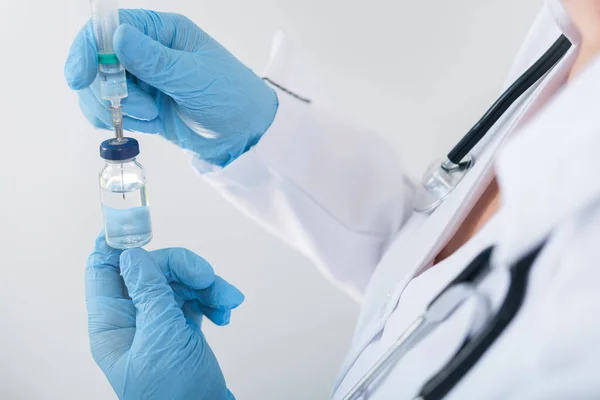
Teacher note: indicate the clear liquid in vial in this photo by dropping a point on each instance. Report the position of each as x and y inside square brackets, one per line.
[126, 215]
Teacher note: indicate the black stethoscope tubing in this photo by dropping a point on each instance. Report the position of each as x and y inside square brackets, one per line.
[474, 348]
[520, 86]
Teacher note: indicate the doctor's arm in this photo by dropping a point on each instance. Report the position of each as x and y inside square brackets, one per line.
[331, 190]
[328, 188]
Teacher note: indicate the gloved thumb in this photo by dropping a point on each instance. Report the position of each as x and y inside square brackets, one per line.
[81, 67]
[150, 292]
[152, 62]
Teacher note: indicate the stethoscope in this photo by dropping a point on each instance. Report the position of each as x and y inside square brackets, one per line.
[481, 335]
[438, 183]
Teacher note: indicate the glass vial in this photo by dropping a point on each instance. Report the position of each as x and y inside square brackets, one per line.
[124, 195]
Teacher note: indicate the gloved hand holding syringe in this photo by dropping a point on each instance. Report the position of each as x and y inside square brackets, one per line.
[181, 84]
[122, 180]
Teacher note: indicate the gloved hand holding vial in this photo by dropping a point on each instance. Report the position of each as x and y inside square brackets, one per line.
[122, 180]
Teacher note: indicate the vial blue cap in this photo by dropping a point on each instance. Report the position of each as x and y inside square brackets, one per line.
[114, 150]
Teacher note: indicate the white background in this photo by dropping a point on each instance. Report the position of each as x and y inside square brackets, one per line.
[419, 72]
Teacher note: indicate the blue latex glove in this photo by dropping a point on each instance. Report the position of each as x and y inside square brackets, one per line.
[143, 319]
[182, 84]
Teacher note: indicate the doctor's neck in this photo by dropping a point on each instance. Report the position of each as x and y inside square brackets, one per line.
[586, 17]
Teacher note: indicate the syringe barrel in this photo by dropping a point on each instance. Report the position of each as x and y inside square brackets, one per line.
[105, 21]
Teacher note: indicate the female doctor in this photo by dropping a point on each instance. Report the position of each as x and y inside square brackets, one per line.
[336, 193]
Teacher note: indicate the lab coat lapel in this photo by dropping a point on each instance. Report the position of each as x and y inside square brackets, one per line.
[550, 170]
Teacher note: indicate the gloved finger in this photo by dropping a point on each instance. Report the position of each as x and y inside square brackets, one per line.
[108, 305]
[154, 63]
[102, 277]
[221, 295]
[109, 314]
[194, 311]
[138, 104]
[104, 115]
[107, 346]
[81, 66]
[151, 294]
[185, 267]
[192, 315]
[172, 30]
[218, 317]
[89, 115]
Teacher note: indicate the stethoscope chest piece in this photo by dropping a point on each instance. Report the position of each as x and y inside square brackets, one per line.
[440, 179]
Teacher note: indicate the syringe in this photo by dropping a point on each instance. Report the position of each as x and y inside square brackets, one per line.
[113, 80]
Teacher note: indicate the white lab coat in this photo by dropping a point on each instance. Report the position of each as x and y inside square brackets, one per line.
[336, 193]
